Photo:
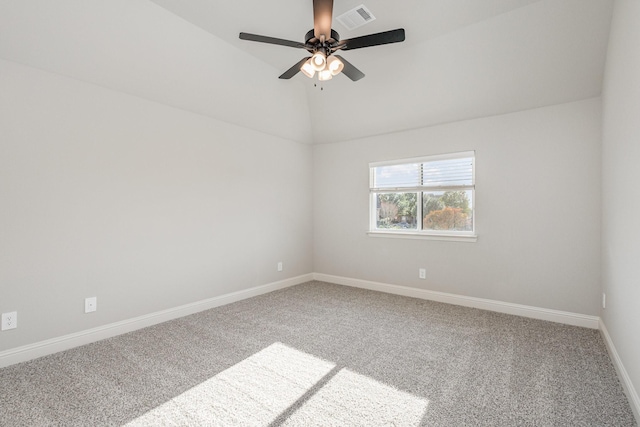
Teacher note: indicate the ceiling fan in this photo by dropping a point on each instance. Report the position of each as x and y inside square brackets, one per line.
[322, 42]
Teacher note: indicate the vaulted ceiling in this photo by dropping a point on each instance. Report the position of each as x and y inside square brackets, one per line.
[461, 59]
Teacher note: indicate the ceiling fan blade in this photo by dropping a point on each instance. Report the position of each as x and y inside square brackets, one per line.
[322, 14]
[386, 37]
[294, 70]
[270, 40]
[349, 70]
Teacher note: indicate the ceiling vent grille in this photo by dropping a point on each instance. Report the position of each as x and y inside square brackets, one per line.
[356, 17]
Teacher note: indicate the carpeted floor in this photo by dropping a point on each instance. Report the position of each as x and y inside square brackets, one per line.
[326, 355]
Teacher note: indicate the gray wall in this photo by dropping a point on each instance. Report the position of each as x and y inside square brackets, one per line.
[538, 210]
[145, 206]
[621, 174]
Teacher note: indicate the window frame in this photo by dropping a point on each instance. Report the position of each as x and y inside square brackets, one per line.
[419, 233]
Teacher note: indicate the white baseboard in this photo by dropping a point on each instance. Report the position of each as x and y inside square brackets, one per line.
[481, 303]
[54, 345]
[632, 395]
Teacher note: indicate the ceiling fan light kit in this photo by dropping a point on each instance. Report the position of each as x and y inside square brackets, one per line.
[322, 48]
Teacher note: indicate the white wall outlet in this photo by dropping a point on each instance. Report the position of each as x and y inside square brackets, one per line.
[604, 300]
[90, 304]
[9, 320]
[422, 273]
[280, 266]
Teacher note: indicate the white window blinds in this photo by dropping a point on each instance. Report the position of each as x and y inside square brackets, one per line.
[452, 172]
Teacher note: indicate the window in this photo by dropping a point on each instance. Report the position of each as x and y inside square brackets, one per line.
[426, 197]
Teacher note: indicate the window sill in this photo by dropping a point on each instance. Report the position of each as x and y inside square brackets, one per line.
[470, 238]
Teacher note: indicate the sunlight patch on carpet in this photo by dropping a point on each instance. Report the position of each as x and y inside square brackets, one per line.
[274, 381]
[351, 399]
[252, 392]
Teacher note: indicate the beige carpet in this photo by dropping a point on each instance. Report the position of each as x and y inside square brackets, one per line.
[319, 354]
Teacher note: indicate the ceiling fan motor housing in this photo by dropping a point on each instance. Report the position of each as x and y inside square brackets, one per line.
[310, 38]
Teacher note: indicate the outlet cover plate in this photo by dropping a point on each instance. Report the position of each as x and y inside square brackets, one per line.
[90, 304]
[9, 320]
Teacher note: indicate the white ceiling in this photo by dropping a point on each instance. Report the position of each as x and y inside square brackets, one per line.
[462, 58]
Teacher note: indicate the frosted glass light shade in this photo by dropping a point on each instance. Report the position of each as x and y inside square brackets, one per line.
[307, 69]
[334, 65]
[325, 75]
[318, 61]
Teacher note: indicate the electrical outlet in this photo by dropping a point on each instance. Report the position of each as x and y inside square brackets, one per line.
[604, 300]
[280, 266]
[422, 273]
[90, 304]
[9, 320]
